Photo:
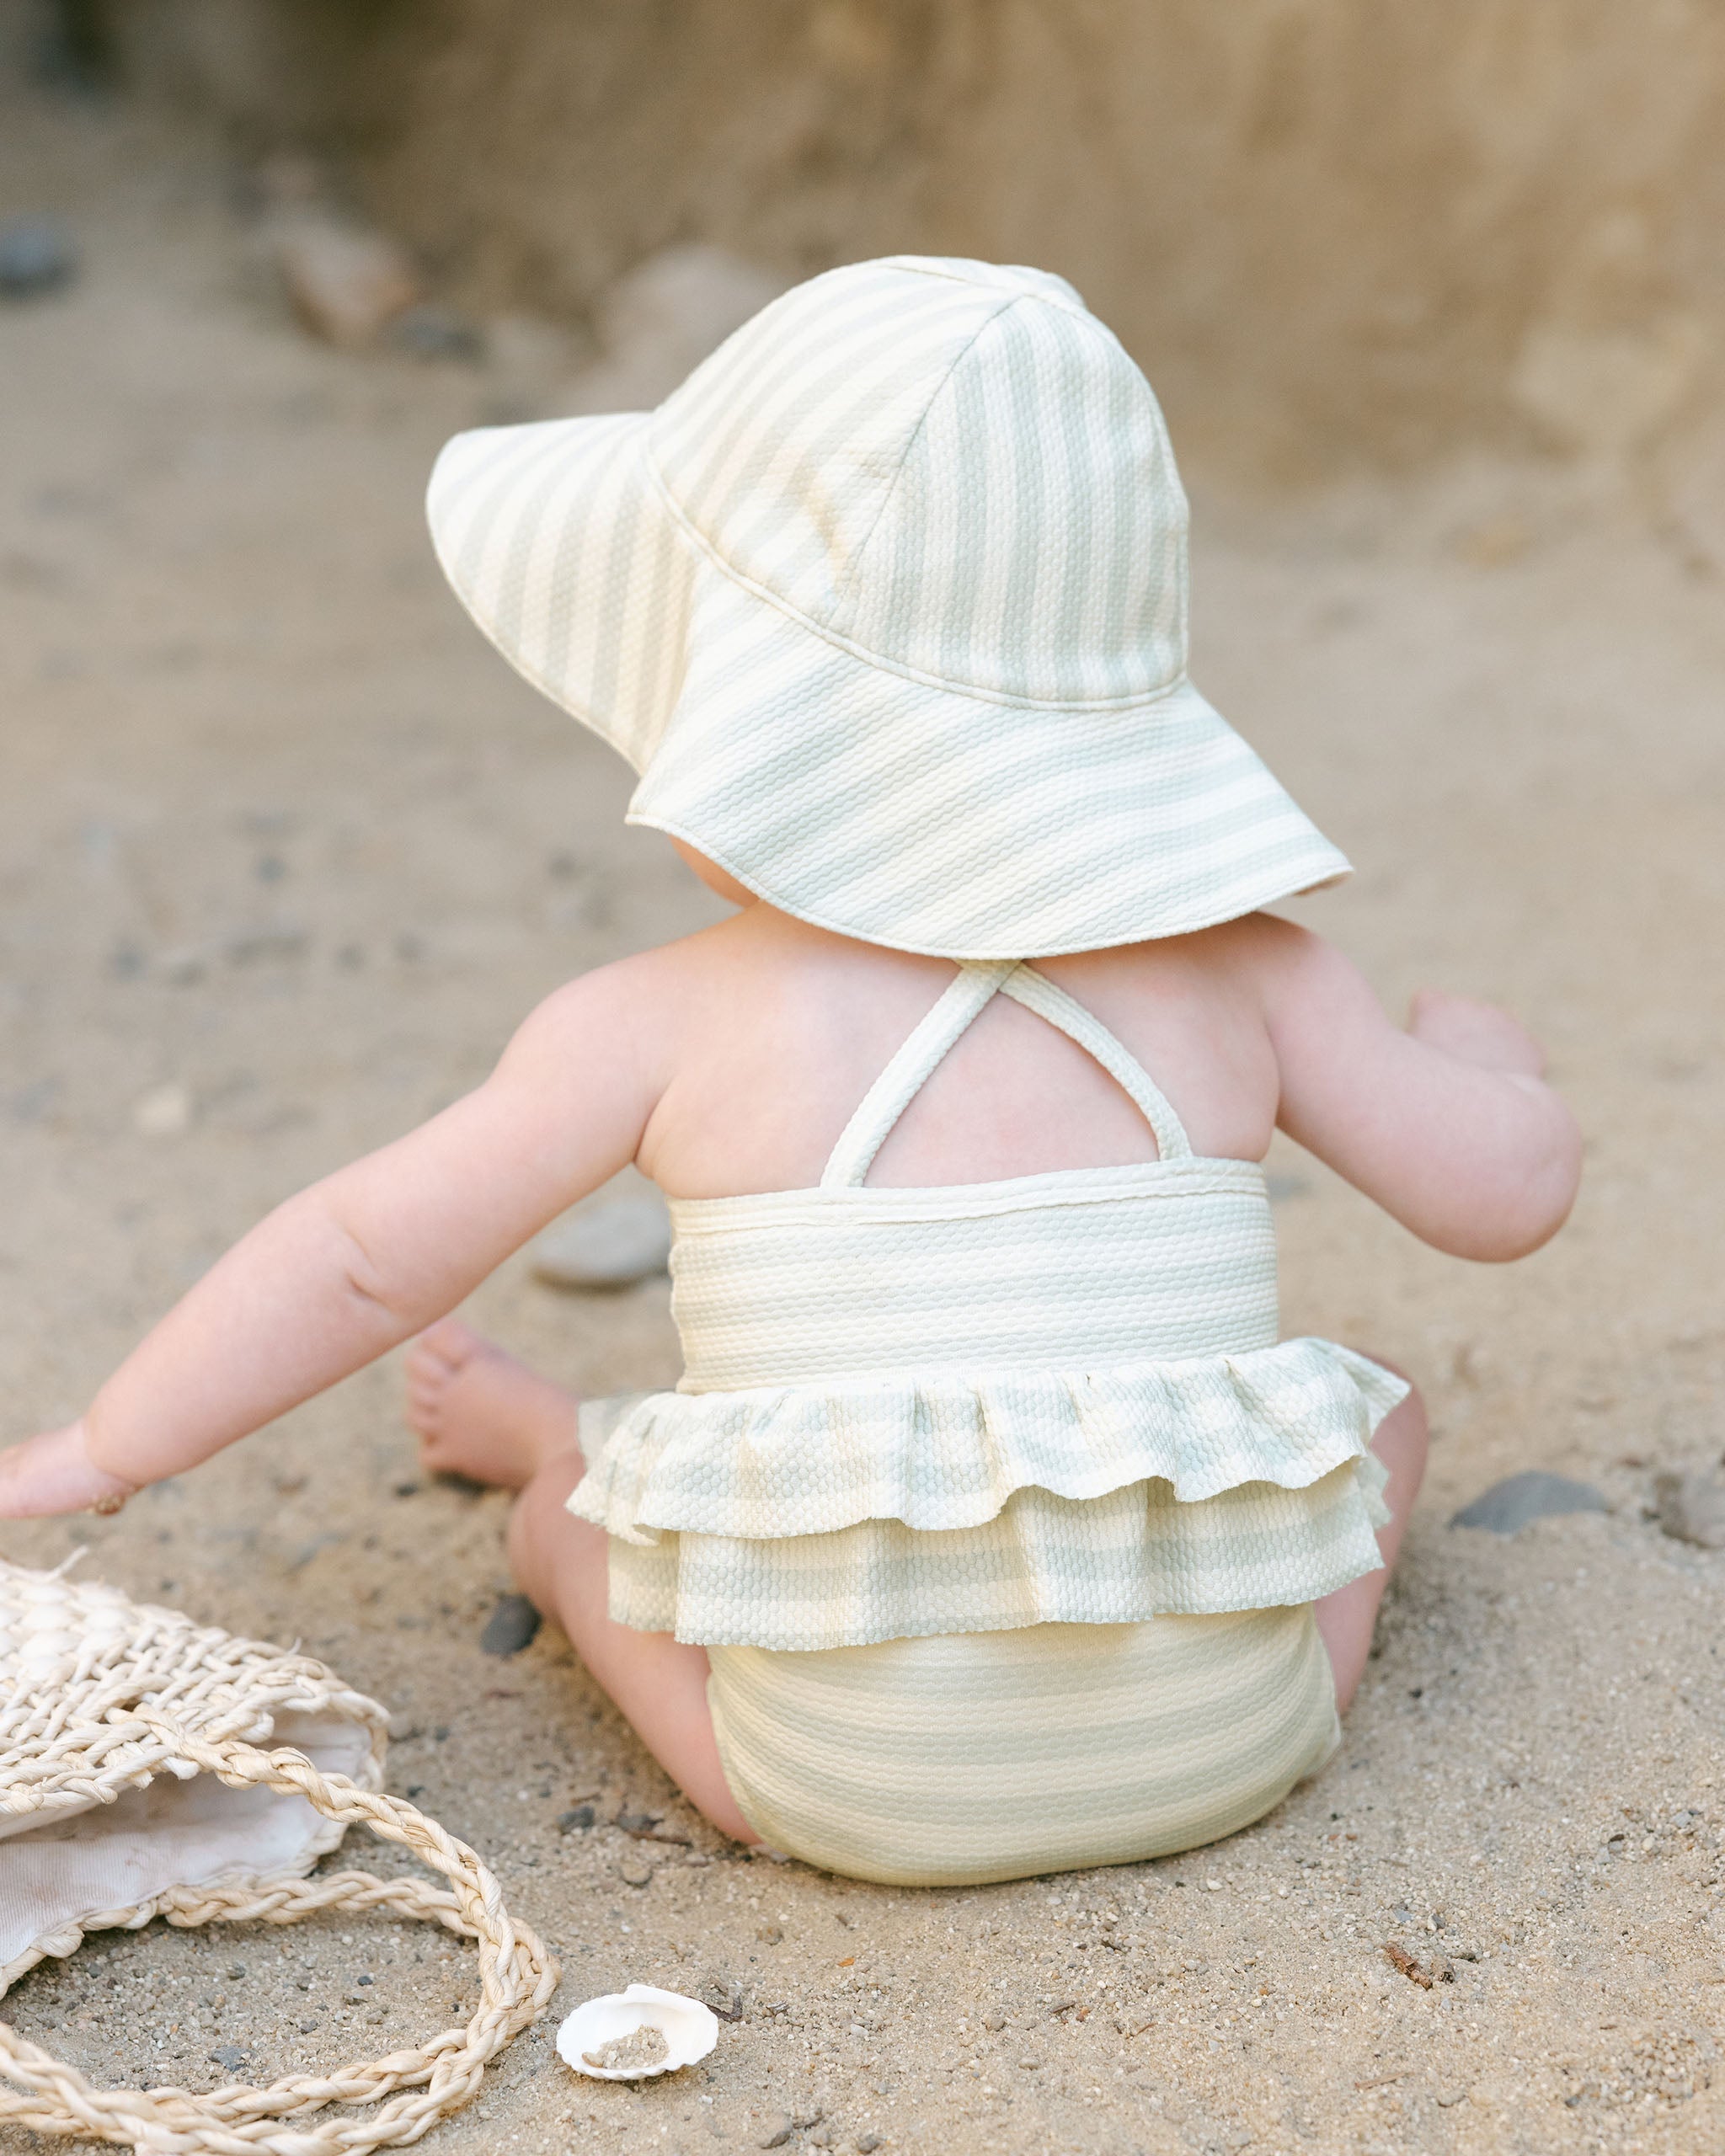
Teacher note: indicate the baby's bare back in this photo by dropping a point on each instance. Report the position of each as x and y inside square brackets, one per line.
[793, 1026]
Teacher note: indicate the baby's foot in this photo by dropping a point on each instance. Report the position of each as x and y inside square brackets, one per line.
[479, 1412]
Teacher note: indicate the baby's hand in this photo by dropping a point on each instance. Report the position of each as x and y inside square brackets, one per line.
[54, 1473]
[1475, 1033]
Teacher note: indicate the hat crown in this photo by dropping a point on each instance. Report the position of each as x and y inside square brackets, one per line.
[953, 468]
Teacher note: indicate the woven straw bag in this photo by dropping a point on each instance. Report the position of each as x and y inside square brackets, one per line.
[133, 1784]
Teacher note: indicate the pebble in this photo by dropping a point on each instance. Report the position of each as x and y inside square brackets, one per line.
[663, 317]
[1532, 1494]
[867, 2143]
[510, 1626]
[36, 257]
[611, 1243]
[577, 1821]
[723, 1996]
[428, 332]
[165, 1112]
[779, 2133]
[634, 1873]
[1691, 1508]
[229, 2056]
[345, 284]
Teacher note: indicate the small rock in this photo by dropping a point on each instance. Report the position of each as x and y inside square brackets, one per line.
[253, 947]
[288, 180]
[611, 1243]
[1532, 1494]
[1691, 1508]
[778, 2135]
[820, 2135]
[577, 1821]
[165, 1112]
[1399, 1958]
[36, 256]
[1496, 542]
[723, 1996]
[510, 1626]
[769, 1934]
[428, 332]
[345, 284]
[1448, 2097]
[663, 318]
[634, 1872]
[230, 2056]
[994, 2022]
[867, 2143]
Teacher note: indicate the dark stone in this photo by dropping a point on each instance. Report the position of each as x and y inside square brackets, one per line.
[436, 333]
[36, 256]
[577, 1821]
[510, 1626]
[1532, 1494]
[229, 2056]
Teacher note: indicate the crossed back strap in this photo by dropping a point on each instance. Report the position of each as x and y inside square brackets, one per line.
[969, 995]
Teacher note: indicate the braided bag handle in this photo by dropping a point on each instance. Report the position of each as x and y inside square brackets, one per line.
[516, 1977]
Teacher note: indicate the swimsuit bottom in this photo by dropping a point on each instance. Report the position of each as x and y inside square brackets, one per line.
[961, 1757]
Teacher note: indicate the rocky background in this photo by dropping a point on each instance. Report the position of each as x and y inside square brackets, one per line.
[286, 852]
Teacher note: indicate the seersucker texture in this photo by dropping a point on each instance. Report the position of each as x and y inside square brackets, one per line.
[888, 606]
[1060, 1398]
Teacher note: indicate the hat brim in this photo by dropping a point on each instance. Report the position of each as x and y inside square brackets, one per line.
[852, 793]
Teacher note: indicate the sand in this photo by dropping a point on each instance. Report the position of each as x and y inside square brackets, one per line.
[285, 852]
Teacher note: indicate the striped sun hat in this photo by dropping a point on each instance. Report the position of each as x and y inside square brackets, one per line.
[887, 606]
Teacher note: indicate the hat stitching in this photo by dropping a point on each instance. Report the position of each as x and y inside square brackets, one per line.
[912, 439]
[1268, 890]
[1104, 705]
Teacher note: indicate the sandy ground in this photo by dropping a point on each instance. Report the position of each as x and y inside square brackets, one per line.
[285, 852]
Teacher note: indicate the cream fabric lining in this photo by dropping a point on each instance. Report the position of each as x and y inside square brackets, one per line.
[950, 1761]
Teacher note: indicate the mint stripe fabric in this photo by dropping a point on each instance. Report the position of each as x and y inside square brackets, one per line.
[888, 605]
[948, 1762]
[1054, 1399]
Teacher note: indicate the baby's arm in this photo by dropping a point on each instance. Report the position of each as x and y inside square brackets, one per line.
[1449, 1126]
[349, 1269]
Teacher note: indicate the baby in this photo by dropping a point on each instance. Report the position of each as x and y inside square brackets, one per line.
[993, 1529]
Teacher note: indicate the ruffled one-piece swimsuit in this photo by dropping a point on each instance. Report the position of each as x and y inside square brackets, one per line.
[1000, 1507]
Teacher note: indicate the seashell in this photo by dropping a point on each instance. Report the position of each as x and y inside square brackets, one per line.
[689, 2030]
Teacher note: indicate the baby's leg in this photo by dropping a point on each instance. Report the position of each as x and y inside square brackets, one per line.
[481, 1413]
[1346, 1619]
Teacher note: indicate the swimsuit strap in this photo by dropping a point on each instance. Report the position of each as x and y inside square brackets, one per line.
[968, 995]
[1038, 993]
[910, 1070]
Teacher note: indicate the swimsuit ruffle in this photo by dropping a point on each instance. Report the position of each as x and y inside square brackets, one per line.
[838, 1514]
[1135, 1555]
[937, 1452]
